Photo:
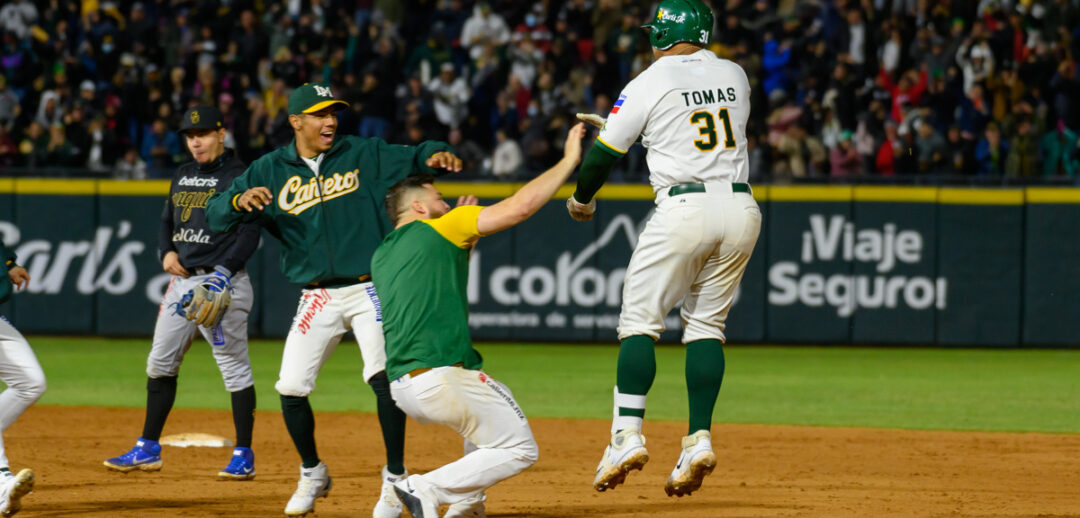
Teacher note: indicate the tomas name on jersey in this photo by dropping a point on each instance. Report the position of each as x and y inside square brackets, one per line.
[691, 112]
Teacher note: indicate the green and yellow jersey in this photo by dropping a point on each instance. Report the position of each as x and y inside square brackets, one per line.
[421, 272]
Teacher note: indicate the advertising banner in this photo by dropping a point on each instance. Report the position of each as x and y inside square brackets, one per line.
[833, 265]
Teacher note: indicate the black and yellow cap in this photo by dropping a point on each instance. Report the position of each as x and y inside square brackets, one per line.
[311, 98]
[201, 117]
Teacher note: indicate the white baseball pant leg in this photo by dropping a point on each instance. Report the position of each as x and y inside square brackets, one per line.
[484, 412]
[324, 315]
[21, 372]
[695, 244]
[174, 334]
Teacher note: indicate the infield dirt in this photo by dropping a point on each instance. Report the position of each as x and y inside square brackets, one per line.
[764, 471]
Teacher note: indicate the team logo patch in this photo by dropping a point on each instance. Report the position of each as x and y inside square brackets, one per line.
[194, 117]
[618, 104]
[483, 378]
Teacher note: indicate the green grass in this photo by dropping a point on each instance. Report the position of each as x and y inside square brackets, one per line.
[947, 389]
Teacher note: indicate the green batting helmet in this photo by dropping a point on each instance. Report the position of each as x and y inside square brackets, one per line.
[680, 20]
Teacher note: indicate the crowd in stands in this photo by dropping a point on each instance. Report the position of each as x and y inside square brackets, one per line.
[841, 88]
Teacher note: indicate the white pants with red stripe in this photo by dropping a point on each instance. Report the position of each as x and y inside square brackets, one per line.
[499, 442]
[21, 372]
[322, 318]
[694, 248]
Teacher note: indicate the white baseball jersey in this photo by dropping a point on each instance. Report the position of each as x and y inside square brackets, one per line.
[691, 112]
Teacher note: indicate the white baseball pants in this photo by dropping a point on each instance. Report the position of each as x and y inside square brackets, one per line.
[484, 412]
[322, 318]
[21, 372]
[694, 248]
[173, 333]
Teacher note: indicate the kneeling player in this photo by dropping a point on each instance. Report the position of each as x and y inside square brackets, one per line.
[421, 272]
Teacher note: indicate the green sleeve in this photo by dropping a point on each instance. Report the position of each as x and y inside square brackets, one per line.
[221, 211]
[596, 167]
[7, 255]
[397, 162]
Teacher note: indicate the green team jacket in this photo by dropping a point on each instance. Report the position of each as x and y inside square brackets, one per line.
[7, 260]
[330, 225]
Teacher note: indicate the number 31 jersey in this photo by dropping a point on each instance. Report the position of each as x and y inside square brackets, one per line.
[691, 114]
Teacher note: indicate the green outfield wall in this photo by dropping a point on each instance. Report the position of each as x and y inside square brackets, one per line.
[834, 264]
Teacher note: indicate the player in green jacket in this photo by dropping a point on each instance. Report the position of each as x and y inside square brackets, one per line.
[322, 197]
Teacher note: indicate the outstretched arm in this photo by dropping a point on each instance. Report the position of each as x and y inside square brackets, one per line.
[533, 195]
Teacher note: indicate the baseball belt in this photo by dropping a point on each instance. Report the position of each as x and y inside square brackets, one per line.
[340, 282]
[685, 188]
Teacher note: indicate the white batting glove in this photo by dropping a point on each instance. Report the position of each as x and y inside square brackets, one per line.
[580, 211]
[592, 119]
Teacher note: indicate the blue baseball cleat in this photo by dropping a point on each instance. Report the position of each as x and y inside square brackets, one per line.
[146, 455]
[241, 466]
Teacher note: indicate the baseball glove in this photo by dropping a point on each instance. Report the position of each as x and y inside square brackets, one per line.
[208, 301]
[592, 119]
[580, 211]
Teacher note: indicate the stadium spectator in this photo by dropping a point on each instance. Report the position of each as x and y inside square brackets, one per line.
[1024, 153]
[1058, 150]
[160, 147]
[484, 26]
[507, 159]
[451, 95]
[845, 160]
[130, 167]
[991, 152]
[931, 148]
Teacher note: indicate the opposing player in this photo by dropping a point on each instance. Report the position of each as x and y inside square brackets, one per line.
[690, 109]
[199, 258]
[322, 197]
[421, 273]
[21, 372]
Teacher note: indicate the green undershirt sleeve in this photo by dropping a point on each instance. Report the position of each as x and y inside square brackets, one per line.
[595, 169]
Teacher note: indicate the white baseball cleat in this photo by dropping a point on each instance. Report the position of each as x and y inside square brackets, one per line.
[470, 508]
[419, 504]
[625, 452]
[314, 483]
[13, 488]
[389, 505]
[696, 461]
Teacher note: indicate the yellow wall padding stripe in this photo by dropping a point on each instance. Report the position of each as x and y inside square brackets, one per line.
[55, 186]
[134, 188]
[961, 196]
[497, 191]
[1053, 195]
[810, 193]
[896, 194]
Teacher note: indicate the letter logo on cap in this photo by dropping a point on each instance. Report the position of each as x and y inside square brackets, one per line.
[194, 117]
[323, 91]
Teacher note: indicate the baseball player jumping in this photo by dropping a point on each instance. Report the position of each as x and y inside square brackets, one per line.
[421, 272]
[690, 109]
[322, 197]
[200, 259]
[21, 372]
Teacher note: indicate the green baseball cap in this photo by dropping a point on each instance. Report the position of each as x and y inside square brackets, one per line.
[311, 98]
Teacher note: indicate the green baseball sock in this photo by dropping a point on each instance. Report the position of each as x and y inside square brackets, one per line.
[300, 421]
[392, 422]
[704, 374]
[634, 378]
